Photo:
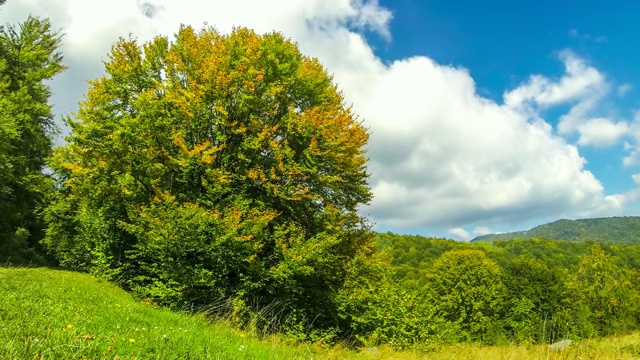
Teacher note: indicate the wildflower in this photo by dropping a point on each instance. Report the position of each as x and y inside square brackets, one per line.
[69, 326]
[132, 340]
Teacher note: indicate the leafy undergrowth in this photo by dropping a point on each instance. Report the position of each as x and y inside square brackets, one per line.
[50, 314]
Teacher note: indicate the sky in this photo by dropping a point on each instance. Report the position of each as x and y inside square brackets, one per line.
[485, 117]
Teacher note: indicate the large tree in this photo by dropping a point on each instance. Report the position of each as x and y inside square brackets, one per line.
[28, 57]
[215, 166]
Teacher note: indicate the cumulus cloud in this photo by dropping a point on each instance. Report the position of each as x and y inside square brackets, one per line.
[602, 132]
[583, 88]
[452, 157]
[579, 81]
[442, 156]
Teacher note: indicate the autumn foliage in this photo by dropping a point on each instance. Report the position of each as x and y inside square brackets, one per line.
[215, 167]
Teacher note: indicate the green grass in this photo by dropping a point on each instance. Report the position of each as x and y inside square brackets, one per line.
[50, 314]
[53, 314]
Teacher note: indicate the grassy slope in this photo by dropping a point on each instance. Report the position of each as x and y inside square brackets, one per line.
[48, 314]
[65, 315]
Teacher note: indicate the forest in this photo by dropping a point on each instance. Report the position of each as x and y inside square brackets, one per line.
[223, 173]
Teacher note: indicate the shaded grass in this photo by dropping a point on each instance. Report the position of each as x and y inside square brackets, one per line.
[51, 314]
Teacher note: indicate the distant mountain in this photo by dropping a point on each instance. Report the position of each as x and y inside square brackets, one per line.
[618, 230]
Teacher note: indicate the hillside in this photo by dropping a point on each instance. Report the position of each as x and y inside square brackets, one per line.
[49, 314]
[615, 230]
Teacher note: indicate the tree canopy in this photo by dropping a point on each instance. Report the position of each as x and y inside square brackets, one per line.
[28, 57]
[214, 166]
[468, 290]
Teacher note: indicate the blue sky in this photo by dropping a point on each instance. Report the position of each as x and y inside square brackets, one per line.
[503, 42]
[485, 116]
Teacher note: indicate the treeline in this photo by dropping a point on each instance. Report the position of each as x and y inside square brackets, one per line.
[223, 173]
[536, 290]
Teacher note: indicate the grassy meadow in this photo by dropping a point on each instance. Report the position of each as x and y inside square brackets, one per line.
[52, 314]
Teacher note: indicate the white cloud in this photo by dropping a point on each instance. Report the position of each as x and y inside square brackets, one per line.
[624, 89]
[633, 158]
[633, 148]
[460, 233]
[602, 132]
[479, 231]
[579, 81]
[584, 88]
[451, 157]
[631, 196]
[442, 156]
[573, 33]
